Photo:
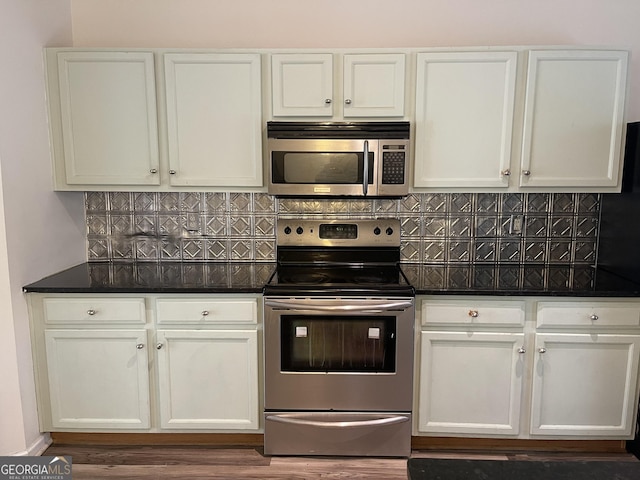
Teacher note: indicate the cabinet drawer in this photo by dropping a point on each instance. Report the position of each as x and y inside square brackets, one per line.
[473, 312]
[94, 310]
[582, 314]
[207, 311]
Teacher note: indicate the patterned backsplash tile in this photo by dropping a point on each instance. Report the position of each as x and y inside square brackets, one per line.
[500, 232]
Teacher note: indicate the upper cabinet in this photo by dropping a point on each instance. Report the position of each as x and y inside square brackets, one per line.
[573, 119]
[107, 130]
[214, 121]
[464, 118]
[366, 85]
[485, 121]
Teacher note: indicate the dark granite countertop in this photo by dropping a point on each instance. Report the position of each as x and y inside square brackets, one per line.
[248, 277]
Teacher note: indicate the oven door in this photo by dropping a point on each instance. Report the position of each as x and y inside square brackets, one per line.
[340, 354]
[322, 167]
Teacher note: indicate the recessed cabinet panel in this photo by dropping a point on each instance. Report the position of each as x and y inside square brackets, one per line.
[98, 379]
[585, 385]
[214, 119]
[574, 118]
[464, 118]
[302, 84]
[108, 118]
[374, 85]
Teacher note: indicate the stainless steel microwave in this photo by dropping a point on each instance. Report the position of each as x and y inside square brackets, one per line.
[338, 158]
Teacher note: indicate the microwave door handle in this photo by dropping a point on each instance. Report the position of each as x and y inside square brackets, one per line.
[365, 174]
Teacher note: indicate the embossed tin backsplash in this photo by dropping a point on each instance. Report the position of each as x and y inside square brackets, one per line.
[514, 237]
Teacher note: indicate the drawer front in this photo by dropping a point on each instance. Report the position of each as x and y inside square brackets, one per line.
[94, 310]
[207, 311]
[582, 314]
[470, 312]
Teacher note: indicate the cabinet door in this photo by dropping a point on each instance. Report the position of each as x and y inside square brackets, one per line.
[208, 379]
[302, 84]
[464, 118]
[470, 383]
[98, 378]
[214, 119]
[585, 385]
[574, 118]
[374, 85]
[108, 116]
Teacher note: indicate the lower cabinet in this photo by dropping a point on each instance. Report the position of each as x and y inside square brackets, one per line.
[564, 368]
[155, 363]
[208, 379]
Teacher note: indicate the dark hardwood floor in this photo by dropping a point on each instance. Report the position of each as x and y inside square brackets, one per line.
[162, 462]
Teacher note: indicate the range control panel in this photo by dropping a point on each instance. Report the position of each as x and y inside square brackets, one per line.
[383, 232]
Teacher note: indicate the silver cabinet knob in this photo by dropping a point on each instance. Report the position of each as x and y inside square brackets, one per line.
[159, 346]
[153, 170]
[473, 313]
[91, 312]
[205, 313]
[506, 172]
[327, 101]
[542, 350]
[594, 317]
[522, 350]
[348, 101]
[172, 172]
[526, 172]
[140, 346]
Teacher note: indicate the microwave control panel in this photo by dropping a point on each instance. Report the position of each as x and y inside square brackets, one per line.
[393, 166]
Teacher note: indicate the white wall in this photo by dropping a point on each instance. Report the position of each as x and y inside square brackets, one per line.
[361, 23]
[40, 231]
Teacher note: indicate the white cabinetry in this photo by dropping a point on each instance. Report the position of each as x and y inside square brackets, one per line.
[93, 364]
[208, 364]
[574, 118]
[464, 118]
[214, 121]
[585, 374]
[373, 85]
[471, 377]
[96, 371]
[104, 128]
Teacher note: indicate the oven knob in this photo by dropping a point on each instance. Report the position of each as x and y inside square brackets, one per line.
[287, 230]
[376, 231]
[299, 230]
[389, 231]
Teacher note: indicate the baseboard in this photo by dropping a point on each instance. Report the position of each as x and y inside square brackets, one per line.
[203, 439]
[459, 443]
[40, 444]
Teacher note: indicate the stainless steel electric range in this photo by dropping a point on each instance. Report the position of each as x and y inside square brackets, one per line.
[338, 341]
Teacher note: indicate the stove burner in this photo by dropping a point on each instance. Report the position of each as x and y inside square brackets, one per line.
[305, 278]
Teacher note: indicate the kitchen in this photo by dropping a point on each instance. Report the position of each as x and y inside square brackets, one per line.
[31, 256]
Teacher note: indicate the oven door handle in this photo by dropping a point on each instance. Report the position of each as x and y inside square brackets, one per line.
[392, 420]
[373, 308]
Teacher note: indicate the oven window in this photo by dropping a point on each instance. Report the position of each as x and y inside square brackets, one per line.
[338, 344]
[329, 168]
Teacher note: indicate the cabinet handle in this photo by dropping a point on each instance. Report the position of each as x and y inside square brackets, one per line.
[205, 313]
[522, 350]
[140, 346]
[91, 312]
[506, 172]
[473, 313]
[159, 346]
[327, 101]
[172, 172]
[153, 170]
[526, 172]
[348, 101]
[594, 317]
[542, 350]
